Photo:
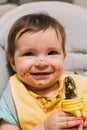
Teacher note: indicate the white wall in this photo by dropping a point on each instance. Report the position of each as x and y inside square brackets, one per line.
[82, 3]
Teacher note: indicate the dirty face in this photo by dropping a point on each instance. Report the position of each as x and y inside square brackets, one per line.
[39, 58]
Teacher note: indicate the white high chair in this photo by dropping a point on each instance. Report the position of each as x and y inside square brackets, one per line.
[74, 20]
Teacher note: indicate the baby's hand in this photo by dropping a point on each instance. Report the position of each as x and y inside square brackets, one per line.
[63, 121]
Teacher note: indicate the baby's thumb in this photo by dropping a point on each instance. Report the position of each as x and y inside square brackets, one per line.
[80, 127]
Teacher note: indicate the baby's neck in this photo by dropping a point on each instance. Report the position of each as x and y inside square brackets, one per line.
[48, 92]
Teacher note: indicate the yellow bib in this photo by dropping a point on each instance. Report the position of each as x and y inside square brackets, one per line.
[31, 109]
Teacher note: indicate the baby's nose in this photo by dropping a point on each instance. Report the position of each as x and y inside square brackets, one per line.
[41, 64]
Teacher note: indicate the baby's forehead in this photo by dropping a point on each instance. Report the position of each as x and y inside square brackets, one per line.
[27, 30]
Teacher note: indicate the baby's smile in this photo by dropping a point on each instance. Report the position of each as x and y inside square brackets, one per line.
[41, 74]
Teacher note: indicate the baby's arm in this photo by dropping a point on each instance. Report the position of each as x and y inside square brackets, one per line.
[7, 115]
[7, 126]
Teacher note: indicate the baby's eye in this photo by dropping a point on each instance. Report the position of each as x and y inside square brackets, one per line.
[29, 54]
[52, 53]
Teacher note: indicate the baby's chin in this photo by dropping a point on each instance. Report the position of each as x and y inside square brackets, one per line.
[36, 85]
[41, 86]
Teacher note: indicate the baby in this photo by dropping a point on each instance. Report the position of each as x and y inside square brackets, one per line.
[32, 98]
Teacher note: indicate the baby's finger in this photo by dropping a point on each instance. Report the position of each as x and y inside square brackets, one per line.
[61, 113]
[69, 124]
[80, 127]
[72, 129]
[85, 124]
[67, 118]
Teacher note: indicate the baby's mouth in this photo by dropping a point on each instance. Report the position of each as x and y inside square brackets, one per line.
[41, 73]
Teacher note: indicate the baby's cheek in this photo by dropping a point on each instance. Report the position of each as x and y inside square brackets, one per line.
[24, 76]
[58, 63]
[59, 67]
[23, 70]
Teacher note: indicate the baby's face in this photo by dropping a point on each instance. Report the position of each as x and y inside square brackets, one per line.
[39, 58]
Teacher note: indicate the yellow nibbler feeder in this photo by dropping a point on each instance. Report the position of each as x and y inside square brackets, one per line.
[72, 103]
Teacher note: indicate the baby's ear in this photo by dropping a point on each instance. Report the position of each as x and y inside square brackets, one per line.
[65, 54]
[11, 61]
